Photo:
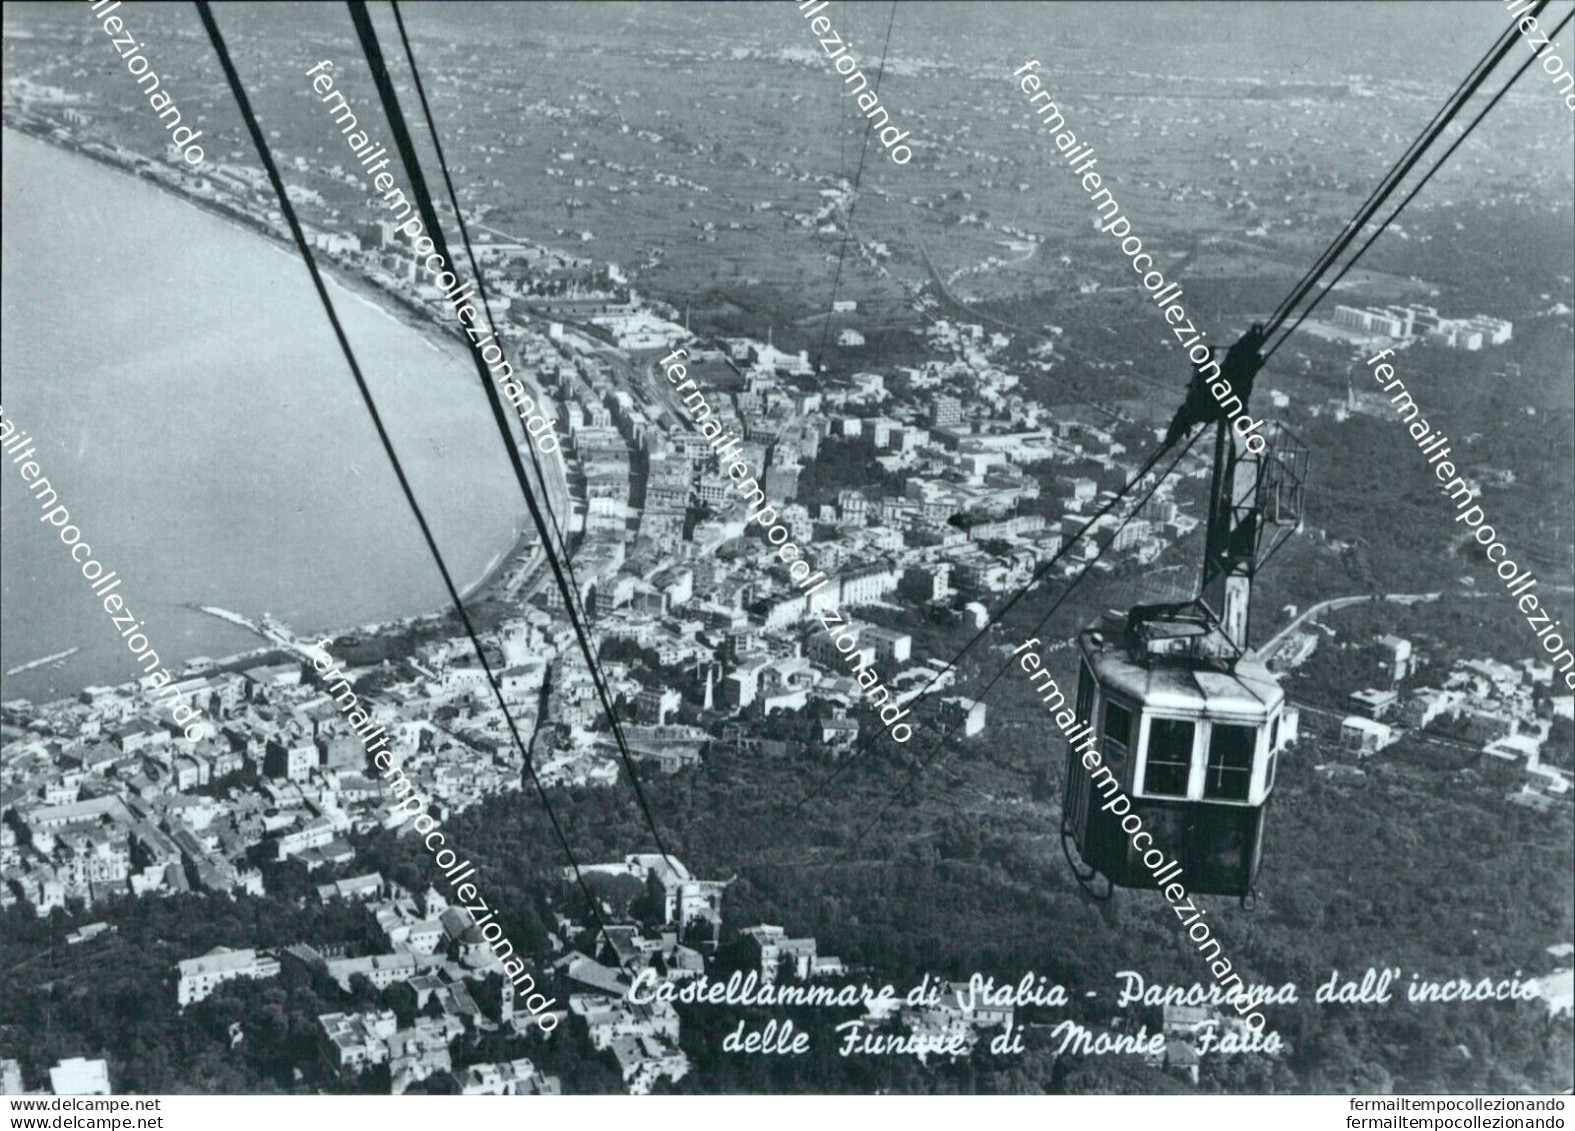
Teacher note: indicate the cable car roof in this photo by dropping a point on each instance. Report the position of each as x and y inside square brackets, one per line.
[1174, 683]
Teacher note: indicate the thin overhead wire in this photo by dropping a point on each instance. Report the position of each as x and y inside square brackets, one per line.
[1397, 174]
[481, 290]
[1045, 567]
[1375, 200]
[1437, 165]
[1356, 221]
[1440, 121]
[372, 49]
[940, 742]
[243, 103]
[853, 200]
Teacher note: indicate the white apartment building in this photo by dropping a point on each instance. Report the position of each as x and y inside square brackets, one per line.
[199, 976]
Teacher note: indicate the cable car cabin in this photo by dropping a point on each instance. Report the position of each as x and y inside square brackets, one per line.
[1192, 745]
[1184, 716]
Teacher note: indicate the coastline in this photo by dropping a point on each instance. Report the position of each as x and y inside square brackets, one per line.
[408, 313]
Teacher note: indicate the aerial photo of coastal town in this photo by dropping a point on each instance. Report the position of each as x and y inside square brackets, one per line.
[919, 547]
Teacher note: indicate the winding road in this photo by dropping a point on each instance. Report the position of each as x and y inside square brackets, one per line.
[1339, 603]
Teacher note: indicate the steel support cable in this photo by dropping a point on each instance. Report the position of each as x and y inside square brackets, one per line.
[940, 742]
[1441, 121]
[371, 48]
[842, 135]
[1329, 253]
[1361, 251]
[1434, 130]
[243, 103]
[1160, 452]
[995, 617]
[853, 200]
[481, 290]
[1473, 81]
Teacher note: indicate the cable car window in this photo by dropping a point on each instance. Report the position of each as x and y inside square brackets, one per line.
[1274, 734]
[1268, 781]
[1118, 724]
[1118, 735]
[1085, 695]
[1169, 757]
[1229, 773]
